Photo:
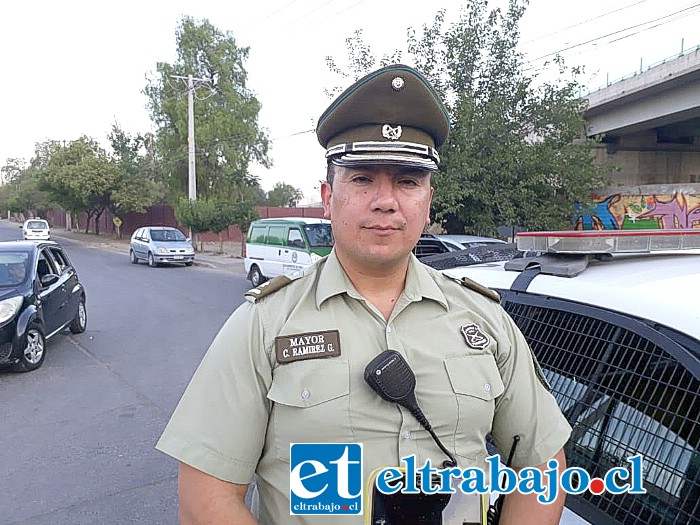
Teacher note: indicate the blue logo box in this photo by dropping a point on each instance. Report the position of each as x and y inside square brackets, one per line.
[325, 478]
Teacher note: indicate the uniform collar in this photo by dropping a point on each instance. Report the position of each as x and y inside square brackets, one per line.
[333, 281]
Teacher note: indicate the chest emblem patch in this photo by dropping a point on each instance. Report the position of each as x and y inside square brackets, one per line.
[309, 345]
[474, 337]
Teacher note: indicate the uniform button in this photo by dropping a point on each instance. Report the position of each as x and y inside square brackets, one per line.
[487, 387]
[406, 435]
[388, 329]
[305, 394]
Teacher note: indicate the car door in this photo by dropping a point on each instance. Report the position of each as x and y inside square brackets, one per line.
[274, 258]
[51, 297]
[68, 278]
[296, 255]
[140, 245]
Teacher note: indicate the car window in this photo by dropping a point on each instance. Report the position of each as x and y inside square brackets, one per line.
[429, 247]
[167, 235]
[37, 225]
[294, 238]
[13, 268]
[258, 234]
[625, 389]
[44, 265]
[276, 235]
[319, 235]
[60, 259]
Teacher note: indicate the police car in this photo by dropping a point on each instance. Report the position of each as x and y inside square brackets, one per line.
[614, 320]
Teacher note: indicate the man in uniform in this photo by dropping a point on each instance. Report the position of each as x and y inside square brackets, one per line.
[259, 387]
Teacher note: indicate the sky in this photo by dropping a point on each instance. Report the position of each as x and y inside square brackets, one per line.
[76, 67]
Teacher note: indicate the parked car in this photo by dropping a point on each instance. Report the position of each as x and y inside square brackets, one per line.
[470, 241]
[36, 229]
[40, 295]
[433, 244]
[160, 244]
[284, 246]
[613, 319]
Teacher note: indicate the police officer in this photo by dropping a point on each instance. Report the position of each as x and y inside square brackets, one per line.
[287, 367]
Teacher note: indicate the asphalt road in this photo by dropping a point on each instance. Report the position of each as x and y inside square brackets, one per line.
[78, 434]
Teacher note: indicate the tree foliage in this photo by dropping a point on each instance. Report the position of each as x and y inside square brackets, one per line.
[20, 191]
[517, 153]
[137, 187]
[79, 176]
[244, 212]
[284, 195]
[203, 215]
[227, 136]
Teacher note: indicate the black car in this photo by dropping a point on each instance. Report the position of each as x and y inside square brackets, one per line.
[40, 295]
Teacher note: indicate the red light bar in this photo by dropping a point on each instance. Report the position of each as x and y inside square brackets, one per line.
[609, 241]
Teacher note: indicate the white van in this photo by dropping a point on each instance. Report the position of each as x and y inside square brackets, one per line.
[285, 246]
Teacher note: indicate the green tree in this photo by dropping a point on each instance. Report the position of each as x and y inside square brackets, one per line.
[221, 218]
[136, 187]
[20, 192]
[517, 152]
[284, 195]
[194, 214]
[80, 177]
[244, 212]
[227, 136]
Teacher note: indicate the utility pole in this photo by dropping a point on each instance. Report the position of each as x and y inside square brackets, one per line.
[191, 174]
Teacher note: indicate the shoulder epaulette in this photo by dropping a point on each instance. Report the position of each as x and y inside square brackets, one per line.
[268, 287]
[480, 288]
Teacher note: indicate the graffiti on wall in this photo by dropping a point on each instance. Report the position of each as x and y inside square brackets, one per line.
[641, 212]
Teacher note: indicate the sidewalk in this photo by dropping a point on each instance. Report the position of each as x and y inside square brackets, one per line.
[229, 260]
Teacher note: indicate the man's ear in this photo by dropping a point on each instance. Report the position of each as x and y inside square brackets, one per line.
[326, 191]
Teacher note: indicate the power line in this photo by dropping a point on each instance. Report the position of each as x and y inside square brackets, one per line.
[309, 13]
[583, 22]
[691, 8]
[336, 14]
[285, 6]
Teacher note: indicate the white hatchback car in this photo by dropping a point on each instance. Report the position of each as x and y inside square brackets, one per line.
[36, 230]
[614, 320]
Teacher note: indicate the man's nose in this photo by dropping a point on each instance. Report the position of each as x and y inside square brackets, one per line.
[385, 195]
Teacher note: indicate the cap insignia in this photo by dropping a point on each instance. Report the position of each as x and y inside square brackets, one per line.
[391, 133]
[397, 83]
[474, 336]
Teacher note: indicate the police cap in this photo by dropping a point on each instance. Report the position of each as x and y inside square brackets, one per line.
[391, 116]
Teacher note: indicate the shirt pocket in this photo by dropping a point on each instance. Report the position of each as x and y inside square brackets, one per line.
[311, 403]
[476, 383]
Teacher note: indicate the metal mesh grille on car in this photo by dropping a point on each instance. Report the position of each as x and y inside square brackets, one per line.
[623, 395]
[469, 256]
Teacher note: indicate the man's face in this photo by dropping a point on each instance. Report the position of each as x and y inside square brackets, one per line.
[377, 212]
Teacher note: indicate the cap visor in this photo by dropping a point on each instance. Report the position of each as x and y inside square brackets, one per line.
[393, 159]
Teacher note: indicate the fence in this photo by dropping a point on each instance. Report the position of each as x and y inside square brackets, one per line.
[163, 215]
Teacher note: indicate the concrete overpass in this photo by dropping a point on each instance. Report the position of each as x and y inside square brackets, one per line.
[665, 98]
[650, 125]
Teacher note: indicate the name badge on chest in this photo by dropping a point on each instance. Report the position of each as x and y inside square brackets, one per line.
[310, 345]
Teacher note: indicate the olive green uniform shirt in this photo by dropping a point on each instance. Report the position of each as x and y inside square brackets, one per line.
[242, 408]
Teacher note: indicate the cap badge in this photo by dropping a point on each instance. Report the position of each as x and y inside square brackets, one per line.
[391, 133]
[397, 83]
[474, 336]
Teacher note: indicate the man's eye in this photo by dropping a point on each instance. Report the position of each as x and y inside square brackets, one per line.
[409, 182]
[361, 179]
